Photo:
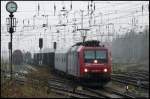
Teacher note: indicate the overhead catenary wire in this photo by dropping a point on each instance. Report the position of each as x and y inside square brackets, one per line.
[126, 13]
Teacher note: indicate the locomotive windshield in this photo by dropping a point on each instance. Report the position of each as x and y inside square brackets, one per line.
[91, 55]
[101, 55]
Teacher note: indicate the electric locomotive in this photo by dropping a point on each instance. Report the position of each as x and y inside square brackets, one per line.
[89, 62]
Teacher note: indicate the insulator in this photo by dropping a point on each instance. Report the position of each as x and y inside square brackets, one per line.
[88, 5]
[54, 9]
[94, 6]
[38, 7]
[71, 6]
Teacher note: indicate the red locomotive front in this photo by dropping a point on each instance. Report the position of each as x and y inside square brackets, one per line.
[95, 63]
[88, 62]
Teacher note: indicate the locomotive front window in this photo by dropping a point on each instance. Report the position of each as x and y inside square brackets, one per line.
[89, 54]
[101, 55]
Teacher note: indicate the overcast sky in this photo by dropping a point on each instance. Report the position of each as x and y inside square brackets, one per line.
[117, 13]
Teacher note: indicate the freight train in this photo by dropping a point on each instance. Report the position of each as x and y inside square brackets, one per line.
[88, 62]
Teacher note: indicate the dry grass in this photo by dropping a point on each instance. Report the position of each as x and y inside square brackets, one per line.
[29, 89]
[14, 90]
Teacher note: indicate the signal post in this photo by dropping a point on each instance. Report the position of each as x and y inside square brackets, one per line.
[11, 7]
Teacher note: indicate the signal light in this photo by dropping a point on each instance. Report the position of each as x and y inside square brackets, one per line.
[40, 43]
[85, 70]
[105, 70]
[55, 45]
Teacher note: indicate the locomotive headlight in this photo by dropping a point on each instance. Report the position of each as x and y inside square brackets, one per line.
[105, 70]
[85, 70]
[95, 61]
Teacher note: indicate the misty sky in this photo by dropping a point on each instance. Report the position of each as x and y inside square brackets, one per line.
[117, 13]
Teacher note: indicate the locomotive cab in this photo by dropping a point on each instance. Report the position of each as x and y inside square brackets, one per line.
[95, 63]
[85, 62]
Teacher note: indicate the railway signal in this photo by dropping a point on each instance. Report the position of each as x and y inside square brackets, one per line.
[40, 43]
[54, 9]
[55, 45]
[40, 46]
[11, 7]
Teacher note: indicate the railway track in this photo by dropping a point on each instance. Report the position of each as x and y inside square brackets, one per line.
[144, 76]
[73, 91]
[111, 93]
[58, 86]
[66, 87]
[55, 87]
[69, 88]
[143, 72]
[69, 91]
[128, 78]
